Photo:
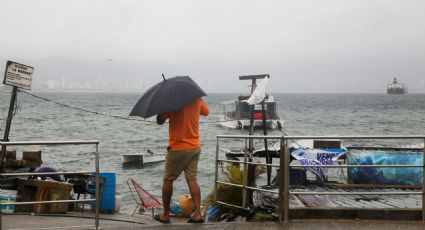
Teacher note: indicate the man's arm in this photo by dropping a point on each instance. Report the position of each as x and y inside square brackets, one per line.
[204, 108]
[159, 119]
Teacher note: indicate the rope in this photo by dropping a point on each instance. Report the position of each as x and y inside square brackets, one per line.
[283, 132]
[114, 116]
[85, 110]
[97, 113]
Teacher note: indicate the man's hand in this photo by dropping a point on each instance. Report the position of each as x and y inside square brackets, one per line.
[159, 120]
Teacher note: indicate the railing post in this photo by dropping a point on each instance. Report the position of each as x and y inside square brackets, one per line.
[281, 163]
[423, 184]
[216, 170]
[284, 181]
[245, 179]
[285, 175]
[97, 187]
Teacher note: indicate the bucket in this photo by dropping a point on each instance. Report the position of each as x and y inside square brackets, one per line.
[107, 196]
[118, 201]
[7, 196]
[187, 204]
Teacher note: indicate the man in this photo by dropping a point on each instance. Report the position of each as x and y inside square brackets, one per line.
[183, 153]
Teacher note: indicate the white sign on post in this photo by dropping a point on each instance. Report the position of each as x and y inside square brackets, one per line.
[18, 75]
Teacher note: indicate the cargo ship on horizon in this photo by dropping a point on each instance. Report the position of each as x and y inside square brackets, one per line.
[396, 88]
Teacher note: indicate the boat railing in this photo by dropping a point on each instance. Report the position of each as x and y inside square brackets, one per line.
[284, 191]
[96, 200]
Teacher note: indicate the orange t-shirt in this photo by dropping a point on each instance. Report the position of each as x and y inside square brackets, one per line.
[184, 125]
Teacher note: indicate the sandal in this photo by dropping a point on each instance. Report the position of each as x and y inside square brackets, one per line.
[193, 221]
[158, 218]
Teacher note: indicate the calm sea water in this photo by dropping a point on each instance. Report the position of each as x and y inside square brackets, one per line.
[305, 114]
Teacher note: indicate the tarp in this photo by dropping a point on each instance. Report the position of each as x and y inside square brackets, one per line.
[317, 157]
[392, 175]
[259, 92]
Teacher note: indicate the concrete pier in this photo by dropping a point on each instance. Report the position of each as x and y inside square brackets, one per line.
[145, 221]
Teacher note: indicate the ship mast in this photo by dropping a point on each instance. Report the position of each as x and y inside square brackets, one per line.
[251, 132]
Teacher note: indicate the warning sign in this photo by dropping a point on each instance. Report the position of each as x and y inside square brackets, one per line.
[18, 75]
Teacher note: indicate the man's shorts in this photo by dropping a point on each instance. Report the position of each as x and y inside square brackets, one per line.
[178, 161]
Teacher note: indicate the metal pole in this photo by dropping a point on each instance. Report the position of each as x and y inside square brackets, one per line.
[249, 170]
[216, 170]
[7, 131]
[97, 188]
[245, 181]
[8, 124]
[285, 175]
[251, 123]
[423, 185]
[0, 221]
[281, 163]
[268, 159]
[253, 85]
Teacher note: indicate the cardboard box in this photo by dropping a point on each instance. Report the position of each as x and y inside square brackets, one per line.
[43, 190]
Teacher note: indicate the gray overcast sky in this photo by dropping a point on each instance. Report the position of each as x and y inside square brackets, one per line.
[306, 45]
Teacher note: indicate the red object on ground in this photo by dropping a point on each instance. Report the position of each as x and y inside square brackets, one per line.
[148, 201]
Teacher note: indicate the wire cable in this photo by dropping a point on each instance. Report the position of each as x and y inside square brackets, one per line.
[85, 110]
[98, 113]
[283, 132]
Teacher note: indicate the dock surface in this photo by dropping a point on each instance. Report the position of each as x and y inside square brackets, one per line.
[145, 221]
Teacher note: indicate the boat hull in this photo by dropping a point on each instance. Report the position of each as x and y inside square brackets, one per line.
[396, 91]
[142, 158]
[246, 123]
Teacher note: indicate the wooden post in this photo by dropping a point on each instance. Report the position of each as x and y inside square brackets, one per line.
[8, 123]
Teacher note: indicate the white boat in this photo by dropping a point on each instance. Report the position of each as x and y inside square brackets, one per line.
[240, 117]
[142, 158]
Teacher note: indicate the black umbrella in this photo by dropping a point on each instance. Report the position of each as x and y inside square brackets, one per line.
[167, 96]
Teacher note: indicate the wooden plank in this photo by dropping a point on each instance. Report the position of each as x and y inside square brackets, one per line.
[34, 156]
[329, 144]
[295, 202]
[361, 201]
[250, 77]
[395, 203]
[40, 196]
[314, 201]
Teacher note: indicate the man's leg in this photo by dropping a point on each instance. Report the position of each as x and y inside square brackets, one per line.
[195, 192]
[167, 193]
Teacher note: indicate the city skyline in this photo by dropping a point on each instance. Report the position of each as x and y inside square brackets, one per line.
[307, 46]
[116, 85]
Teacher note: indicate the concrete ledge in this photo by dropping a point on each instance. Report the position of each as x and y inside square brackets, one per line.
[363, 214]
[125, 221]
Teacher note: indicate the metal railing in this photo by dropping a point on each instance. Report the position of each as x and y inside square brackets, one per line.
[48, 143]
[284, 191]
